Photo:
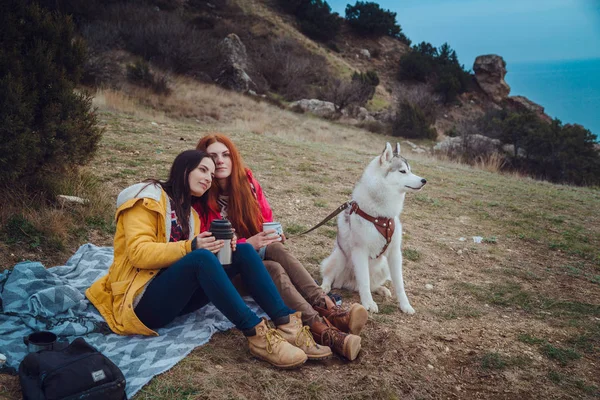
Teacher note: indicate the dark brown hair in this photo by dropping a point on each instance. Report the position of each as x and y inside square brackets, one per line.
[177, 186]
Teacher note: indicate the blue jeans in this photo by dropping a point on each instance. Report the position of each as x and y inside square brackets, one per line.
[199, 278]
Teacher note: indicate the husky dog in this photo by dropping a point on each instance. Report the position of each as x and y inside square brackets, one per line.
[368, 246]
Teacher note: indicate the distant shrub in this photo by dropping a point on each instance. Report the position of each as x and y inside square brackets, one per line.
[101, 66]
[101, 69]
[202, 22]
[45, 124]
[286, 67]
[368, 81]
[449, 84]
[473, 148]
[80, 11]
[333, 46]
[551, 151]
[314, 17]
[370, 77]
[369, 19]
[374, 126]
[139, 73]
[452, 132]
[347, 93]
[165, 38]
[425, 63]
[556, 152]
[413, 122]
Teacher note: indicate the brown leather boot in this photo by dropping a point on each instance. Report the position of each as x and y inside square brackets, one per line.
[344, 344]
[269, 345]
[351, 321]
[301, 337]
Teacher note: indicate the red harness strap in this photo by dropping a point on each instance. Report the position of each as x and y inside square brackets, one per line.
[385, 226]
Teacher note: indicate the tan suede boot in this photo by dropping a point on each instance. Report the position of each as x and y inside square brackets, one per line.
[301, 337]
[350, 321]
[267, 344]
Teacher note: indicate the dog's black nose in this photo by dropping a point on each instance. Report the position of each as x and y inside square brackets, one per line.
[423, 181]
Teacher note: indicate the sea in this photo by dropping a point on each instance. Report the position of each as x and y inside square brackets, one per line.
[568, 90]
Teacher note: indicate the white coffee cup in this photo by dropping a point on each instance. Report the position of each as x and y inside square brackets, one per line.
[274, 225]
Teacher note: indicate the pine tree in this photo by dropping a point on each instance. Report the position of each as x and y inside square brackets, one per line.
[45, 125]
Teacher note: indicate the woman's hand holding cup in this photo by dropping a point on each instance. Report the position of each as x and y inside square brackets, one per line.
[233, 242]
[207, 241]
[263, 239]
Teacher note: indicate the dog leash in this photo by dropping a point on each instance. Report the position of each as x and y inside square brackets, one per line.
[327, 218]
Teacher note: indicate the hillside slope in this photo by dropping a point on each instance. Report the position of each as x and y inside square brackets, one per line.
[516, 316]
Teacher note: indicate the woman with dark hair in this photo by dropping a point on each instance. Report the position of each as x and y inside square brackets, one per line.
[237, 196]
[164, 267]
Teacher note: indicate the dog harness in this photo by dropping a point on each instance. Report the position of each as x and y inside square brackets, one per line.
[385, 226]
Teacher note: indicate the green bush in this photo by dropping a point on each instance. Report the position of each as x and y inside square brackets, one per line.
[286, 67]
[425, 63]
[45, 124]
[556, 152]
[315, 18]
[551, 151]
[333, 46]
[368, 82]
[370, 77]
[368, 18]
[345, 94]
[419, 64]
[139, 73]
[413, 122]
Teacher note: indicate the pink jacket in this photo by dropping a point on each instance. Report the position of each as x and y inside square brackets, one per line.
[207, 216]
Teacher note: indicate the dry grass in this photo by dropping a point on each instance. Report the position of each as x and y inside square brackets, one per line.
[492, 163]
[43, 228]
[516, 316]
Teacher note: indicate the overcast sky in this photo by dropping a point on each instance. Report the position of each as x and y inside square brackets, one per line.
[518, 30]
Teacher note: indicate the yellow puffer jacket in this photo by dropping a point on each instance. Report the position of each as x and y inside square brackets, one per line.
[142, 248]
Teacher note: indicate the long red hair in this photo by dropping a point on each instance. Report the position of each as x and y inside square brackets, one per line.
[243, 210]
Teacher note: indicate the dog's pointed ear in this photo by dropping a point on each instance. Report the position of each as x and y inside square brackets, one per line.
[397, 151]
[387, 155]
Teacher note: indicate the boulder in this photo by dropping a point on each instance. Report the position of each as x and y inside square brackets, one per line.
[510, 149]
[232, 71]
[365, 53]
[64, 199]
[489, 72]
[521, 103]
[525, 104]
[315, 106]
[363, 114]
[386, 115]
[414, 148]
[477, 141]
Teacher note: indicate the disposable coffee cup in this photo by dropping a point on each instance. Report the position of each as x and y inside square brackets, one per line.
[222, 230]
[274, 225]
[42, 340]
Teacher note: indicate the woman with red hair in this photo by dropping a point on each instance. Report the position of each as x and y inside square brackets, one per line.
[237, 196]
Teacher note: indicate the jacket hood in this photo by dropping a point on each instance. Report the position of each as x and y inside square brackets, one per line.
[142, 190]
